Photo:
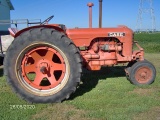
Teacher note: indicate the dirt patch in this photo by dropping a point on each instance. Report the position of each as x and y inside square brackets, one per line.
[152, 114]
[61, 112]
[143, 92]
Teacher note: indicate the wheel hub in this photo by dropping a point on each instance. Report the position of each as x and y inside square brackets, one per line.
[44, 67]
[143, 75]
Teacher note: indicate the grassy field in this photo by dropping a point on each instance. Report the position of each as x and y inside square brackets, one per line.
[150, 42]
[103, 95]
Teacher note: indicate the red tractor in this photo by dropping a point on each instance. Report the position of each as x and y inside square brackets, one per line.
[44, 63]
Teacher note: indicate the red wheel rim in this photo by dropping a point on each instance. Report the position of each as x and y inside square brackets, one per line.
[43, 68]
[143, 75]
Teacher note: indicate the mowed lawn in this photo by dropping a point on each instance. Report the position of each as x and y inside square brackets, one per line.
[102, 95]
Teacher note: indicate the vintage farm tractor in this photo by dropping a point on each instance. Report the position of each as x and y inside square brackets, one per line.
[44, 63]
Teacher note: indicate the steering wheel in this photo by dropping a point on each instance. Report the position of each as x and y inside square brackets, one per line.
[47, 20]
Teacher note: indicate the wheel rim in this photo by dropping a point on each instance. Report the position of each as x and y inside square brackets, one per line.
[44, 69]
[143, 75]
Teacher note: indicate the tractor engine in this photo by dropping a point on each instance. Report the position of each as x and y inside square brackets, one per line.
[101, 52]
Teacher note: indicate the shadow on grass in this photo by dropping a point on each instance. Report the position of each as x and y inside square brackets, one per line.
[90, 78]
[1, 71]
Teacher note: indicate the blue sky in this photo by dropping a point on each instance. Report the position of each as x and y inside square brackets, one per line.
[74, 13]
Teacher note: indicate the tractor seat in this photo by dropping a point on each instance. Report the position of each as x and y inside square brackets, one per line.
[12, 31]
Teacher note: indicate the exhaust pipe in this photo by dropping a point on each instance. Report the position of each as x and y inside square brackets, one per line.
[100, 13]
[90, 14]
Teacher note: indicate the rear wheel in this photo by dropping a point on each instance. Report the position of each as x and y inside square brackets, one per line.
[45, 66]
[142, 73]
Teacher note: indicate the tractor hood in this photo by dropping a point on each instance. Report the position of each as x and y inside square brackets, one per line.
[84, 36]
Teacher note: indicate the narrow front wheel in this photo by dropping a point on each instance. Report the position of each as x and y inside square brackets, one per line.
[142, 73]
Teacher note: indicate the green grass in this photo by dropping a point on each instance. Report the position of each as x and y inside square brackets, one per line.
[102, 95]
[150, 42]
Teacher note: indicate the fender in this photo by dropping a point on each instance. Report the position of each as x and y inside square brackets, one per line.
[54, 26]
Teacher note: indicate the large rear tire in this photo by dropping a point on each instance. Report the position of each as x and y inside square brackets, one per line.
[43, 66]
